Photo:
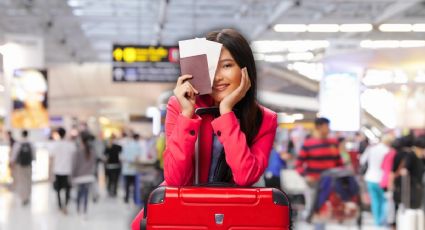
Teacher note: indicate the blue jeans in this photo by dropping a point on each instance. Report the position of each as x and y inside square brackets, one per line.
[82, 195]
[377, 199]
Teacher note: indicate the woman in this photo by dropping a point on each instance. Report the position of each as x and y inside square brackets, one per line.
[243, 129]
[84, 168]
[374, 156]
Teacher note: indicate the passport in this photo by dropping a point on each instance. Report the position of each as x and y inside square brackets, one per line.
[197, 66]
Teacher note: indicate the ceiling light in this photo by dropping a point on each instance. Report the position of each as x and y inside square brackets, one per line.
[418, 28]
[77, 12]
[292, 46]
[258, 57]
[412, 43]
[379, 44]
[395, 27]
[298, 116]
[400, 77]
[391, 44]
[268, 46]
[274, 58]
[306, 45]
[323, 28]
[355, 27]
[300, 56]
[75, 3]
[290, 28]
[377, 77]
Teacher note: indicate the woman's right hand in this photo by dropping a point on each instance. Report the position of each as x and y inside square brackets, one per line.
[186, 95]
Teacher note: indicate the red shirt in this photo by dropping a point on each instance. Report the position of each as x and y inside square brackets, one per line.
[318, 155]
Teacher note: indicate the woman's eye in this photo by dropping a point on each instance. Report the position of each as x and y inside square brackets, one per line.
[227, 65]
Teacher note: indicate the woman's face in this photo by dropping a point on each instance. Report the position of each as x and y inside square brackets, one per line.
[227, 76]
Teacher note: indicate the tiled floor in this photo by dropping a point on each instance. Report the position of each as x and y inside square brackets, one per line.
[106, 214]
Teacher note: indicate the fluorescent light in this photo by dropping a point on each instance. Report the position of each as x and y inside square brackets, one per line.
[375, 77]
[391, 44]
[323, 28]
[306, 45]
[355, 27]
[418, 28]
[300, 56]
[379, 44]
[298, 116]
[78, 12]
[268, 46]
[75, 3]
[412, 43]
[420, 76]
[258, 56]
[290, 28]
[400, 77]
[395, 27]
[274, 58]
[292, 46]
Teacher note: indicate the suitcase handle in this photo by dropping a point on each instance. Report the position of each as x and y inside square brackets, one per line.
[217, 184]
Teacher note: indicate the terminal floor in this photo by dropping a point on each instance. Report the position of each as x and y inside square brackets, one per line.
[107, 213]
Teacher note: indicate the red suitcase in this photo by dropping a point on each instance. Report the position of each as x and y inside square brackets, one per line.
[213, 207]
[217, 208]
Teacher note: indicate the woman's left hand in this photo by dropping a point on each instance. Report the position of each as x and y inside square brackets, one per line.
[229, 101]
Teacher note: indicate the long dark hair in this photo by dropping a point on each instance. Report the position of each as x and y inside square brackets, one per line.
[85, 141]
[247, 110]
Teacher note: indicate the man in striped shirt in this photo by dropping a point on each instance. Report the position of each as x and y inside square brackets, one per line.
[318, 154]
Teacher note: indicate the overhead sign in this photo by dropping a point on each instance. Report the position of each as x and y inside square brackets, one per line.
[134, 63]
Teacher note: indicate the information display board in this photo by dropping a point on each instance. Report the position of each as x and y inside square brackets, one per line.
[135, 63]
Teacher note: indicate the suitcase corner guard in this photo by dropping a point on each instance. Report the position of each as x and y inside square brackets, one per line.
[157, 196]
[280, 198]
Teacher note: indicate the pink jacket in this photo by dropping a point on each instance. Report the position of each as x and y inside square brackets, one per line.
[247, 163]
[386, 167]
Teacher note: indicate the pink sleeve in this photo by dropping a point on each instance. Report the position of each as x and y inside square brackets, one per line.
[247, 163]
[135, 224]
[181, 134]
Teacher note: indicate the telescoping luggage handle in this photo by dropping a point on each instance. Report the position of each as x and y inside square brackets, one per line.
[405, 191]
[202, 111]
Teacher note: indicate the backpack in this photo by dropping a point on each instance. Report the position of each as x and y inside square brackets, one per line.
[25, 155]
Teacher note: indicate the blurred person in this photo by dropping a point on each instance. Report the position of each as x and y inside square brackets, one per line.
[276, 164]
[238, 139]
[403, 147]
[23, 154]
[62, 154]
[414, 168]
[83, 173]
[160, 147]
[345, 155]
[318, 154]
[112, 165]
[363, 142]
[131, 152]
[374, 156]
[11, 141]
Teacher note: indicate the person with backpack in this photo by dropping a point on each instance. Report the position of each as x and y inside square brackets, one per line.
[23, 153]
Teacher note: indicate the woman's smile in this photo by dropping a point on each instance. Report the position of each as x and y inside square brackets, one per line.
[220, 87]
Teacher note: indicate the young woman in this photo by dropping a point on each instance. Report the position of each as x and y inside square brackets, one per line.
[83, 172]
[237, 140]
